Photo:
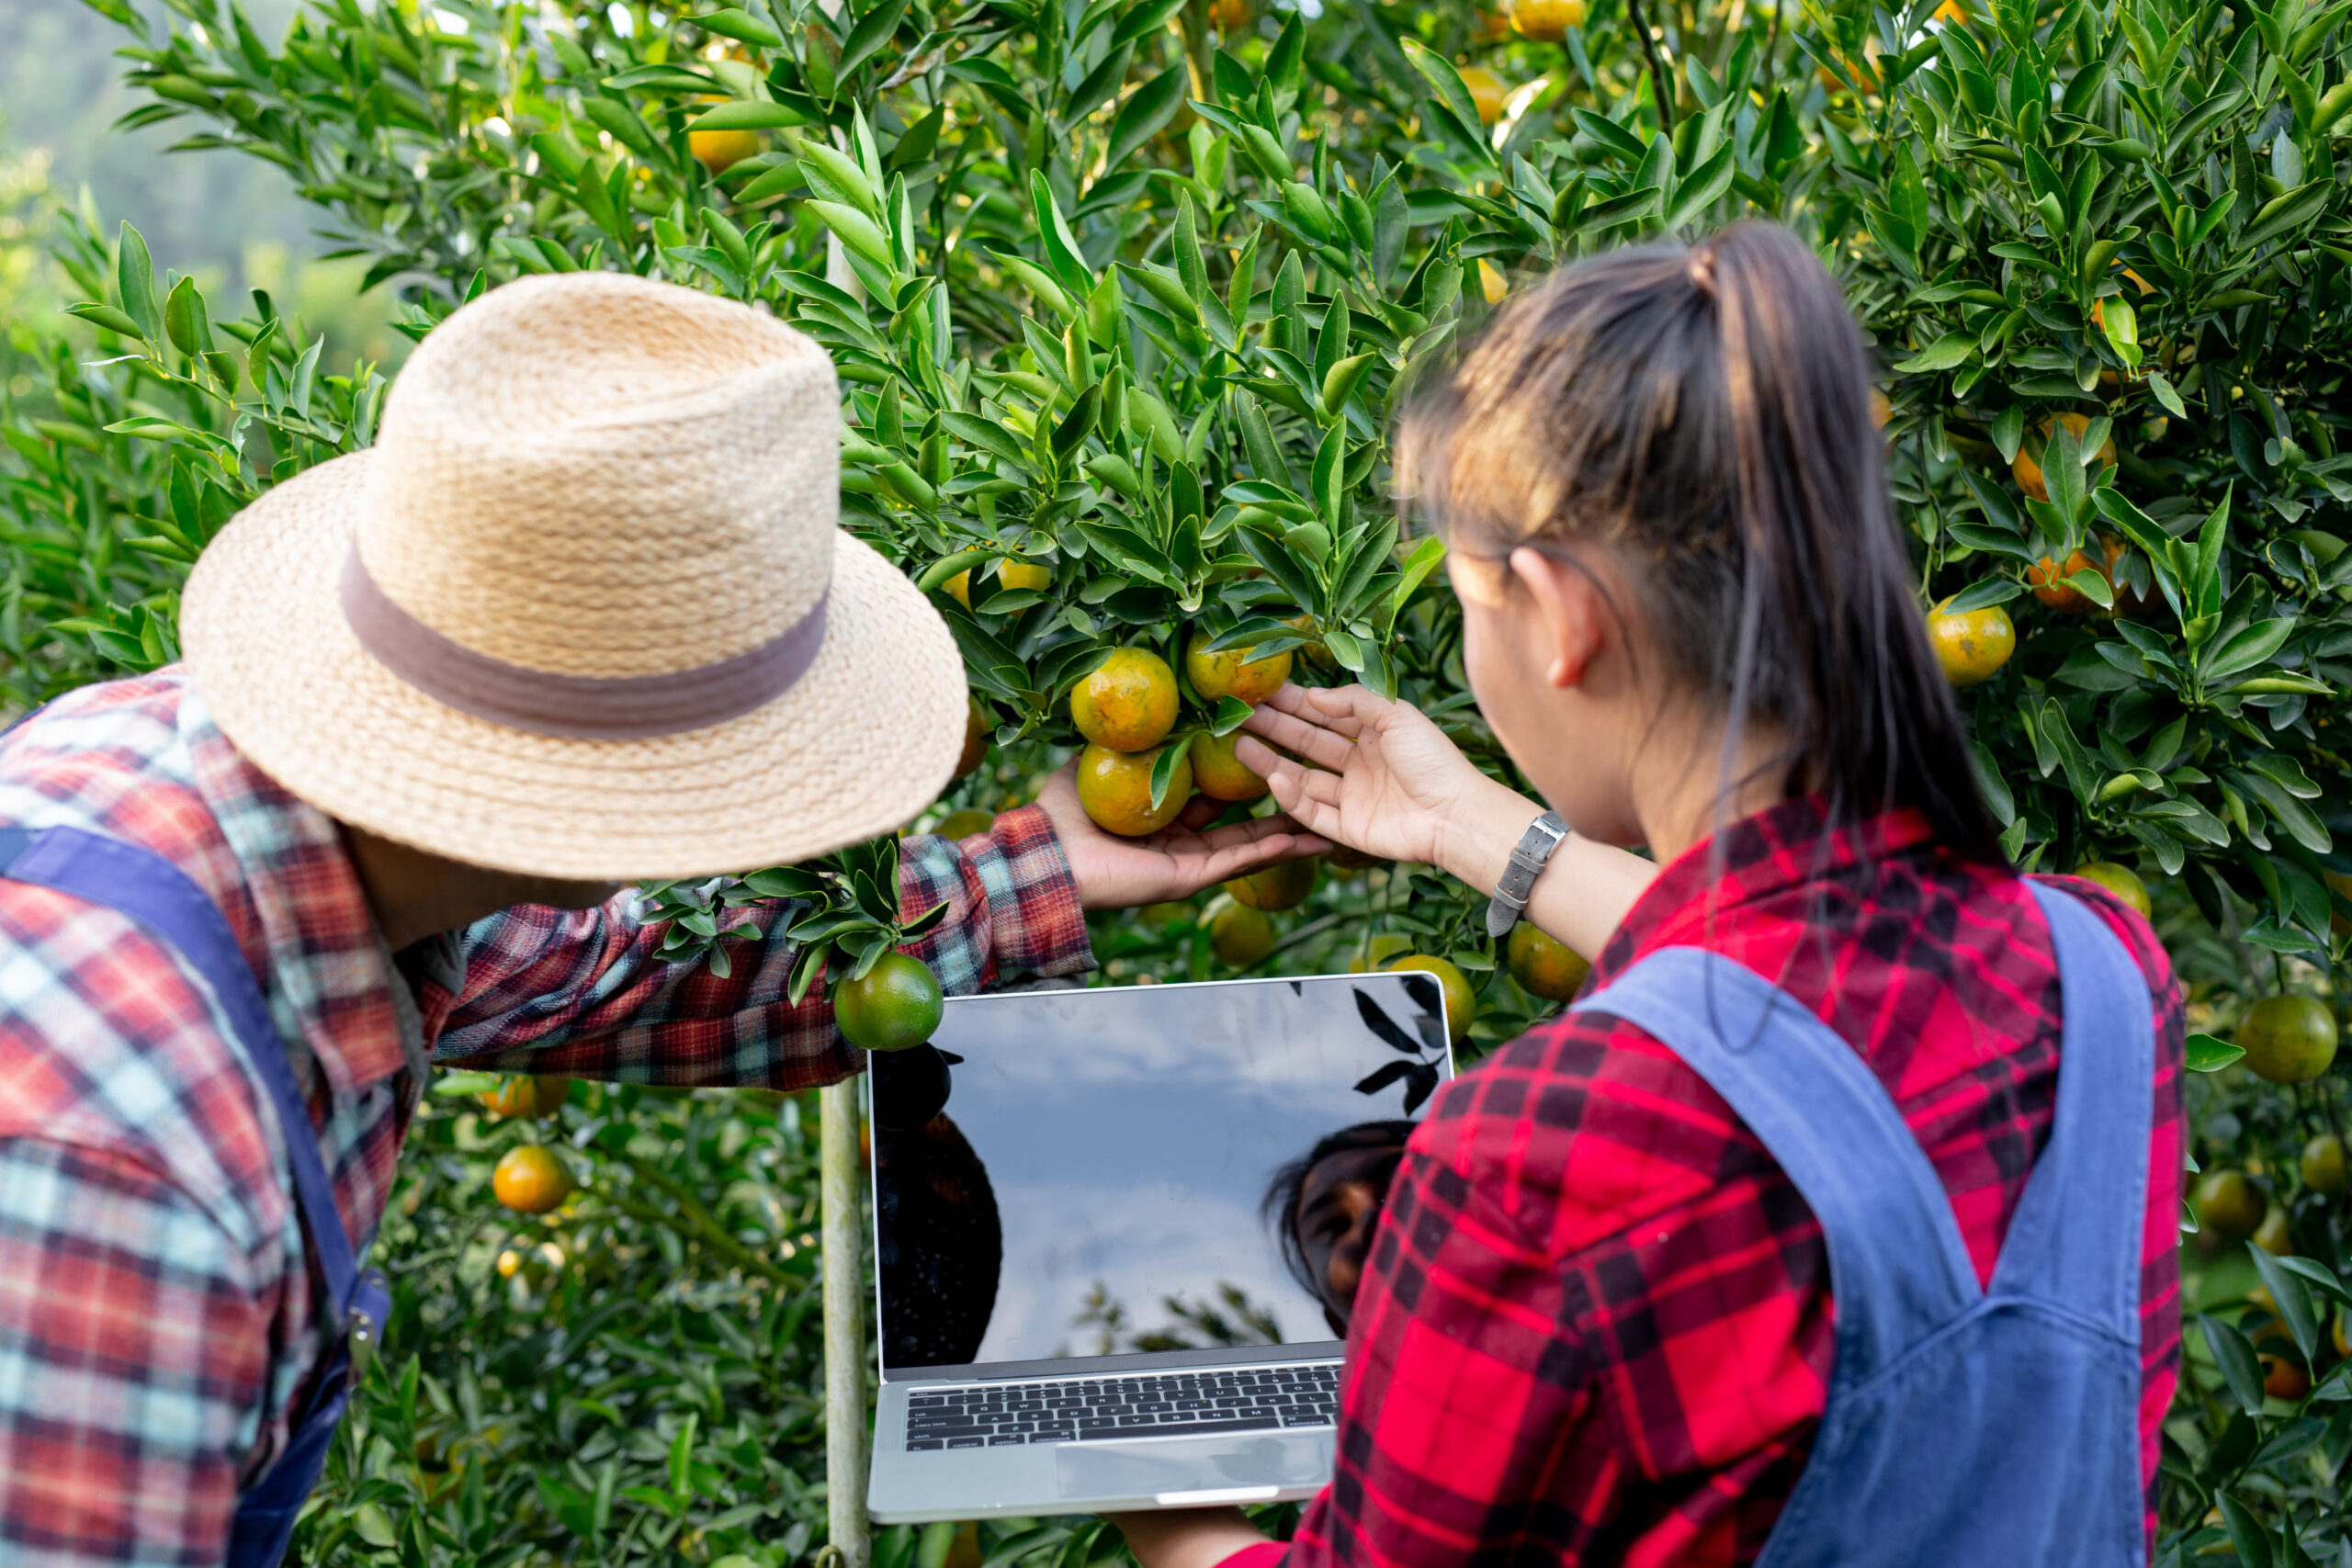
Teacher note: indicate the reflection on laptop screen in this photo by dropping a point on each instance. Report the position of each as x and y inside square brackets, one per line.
[1094, 1182]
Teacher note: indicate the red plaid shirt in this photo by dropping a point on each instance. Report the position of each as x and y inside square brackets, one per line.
[155, 1307]
[1596, 1326]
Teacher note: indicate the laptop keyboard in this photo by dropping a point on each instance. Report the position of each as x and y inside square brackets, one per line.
[1254, 1399]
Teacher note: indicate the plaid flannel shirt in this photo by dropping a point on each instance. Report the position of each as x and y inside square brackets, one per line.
[1595, 1322]
[157, 1313]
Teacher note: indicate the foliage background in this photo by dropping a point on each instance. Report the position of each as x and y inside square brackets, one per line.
[1126, 290]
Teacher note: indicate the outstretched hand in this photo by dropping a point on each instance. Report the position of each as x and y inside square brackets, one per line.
[1377, 775]
[1177, 862]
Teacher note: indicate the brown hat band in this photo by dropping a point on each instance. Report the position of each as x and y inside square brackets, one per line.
[575, 707]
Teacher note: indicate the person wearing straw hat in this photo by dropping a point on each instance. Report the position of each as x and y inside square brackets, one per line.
[582, 616]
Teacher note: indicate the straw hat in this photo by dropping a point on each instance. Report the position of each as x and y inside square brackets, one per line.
[583, 611]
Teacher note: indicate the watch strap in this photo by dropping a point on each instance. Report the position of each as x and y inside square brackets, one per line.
[1527, 859]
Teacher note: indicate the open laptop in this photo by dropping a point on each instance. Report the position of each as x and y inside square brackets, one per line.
[1082, 1305]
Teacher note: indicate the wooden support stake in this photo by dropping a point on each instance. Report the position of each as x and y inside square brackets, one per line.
[840, 1186]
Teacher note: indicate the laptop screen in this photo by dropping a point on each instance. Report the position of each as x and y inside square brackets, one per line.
[1096, 1180]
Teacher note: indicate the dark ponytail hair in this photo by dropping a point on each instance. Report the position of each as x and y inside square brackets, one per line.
[1705, 414]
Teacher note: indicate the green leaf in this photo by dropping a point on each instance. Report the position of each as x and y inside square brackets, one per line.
[746, 113]
[1075, 426]
[1062, 255]
[2287, 213]
[135, 282]
[2301, 823]
[2247, 649]
[2293, 1299]
[1145, 114]
[858, 232]
[1950, 350]
[742, 26]
[2208, 1054]
[873, 31]
[185, 320]
[108, 319]
[2240, 1366]
[1232, 713]
[1702, 189]
[1163, 769]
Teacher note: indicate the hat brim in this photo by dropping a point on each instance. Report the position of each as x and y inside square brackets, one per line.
[862, 741]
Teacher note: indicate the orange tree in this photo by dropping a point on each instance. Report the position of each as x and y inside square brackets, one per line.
[1121, 295]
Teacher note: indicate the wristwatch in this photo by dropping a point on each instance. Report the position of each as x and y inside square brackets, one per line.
[1527, 858]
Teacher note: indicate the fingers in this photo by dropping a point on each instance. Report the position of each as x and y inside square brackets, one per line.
[1317, 745]
[1330, 708]
[1199, 812]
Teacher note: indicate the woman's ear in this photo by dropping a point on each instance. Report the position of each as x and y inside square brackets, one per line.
[1572, 619]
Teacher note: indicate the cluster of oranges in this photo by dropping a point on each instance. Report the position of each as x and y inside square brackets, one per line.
[1126, 707]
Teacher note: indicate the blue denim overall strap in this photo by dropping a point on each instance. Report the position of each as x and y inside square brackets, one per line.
[144, 887]
[1962, 1426]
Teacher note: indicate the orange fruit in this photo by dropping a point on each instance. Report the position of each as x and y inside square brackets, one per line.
[1240, 935]
[2343, 1346]
[1545, 21]
[1228, 16]
[1880, 410]
[2099, 316]
[2027, 466]
[1233, 673]
[720, 150]
[525, 1095]
[959, 587]
[895, 1005]
[2273, 1236]
[1543, 965]
[2229, 1203]
[1489, 27]
[531, 1179]
[965, 823]
[1973, 645]
[977, 733]
[1949, 11]
[1460, 1002]
[1219, 773]
[2322, 1165]
[2287, 1039]
[2048, 578]
[1493, 284]
[1165, 916]
[1284, 886]
[1486, 91]
[1128, 704]
[2283, 1379]
[2119, 880]
[1115, 789]
[1379, 951]
[1017, 575]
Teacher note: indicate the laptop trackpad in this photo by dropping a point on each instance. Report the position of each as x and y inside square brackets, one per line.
[1151, 1467]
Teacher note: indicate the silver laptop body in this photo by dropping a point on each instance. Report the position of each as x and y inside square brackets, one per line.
[1082, 1305]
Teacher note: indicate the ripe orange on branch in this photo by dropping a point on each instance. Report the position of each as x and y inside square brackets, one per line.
[1461, 1001]
[1543, 965]
[1219, 773]
[1128, 704]
[525, 1095]
[2287, 1039]
[1240, 935]
[720, 150]
[1231, 673]
[1115, 789]
[531, 1179]
[1488, 91]
[1546, 21]
[1284, 886]
[2048, 578]
[1973, 645]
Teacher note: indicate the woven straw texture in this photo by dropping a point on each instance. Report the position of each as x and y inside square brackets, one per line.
[593, 475]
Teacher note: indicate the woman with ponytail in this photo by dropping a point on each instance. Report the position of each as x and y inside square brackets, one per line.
[1834, 1222]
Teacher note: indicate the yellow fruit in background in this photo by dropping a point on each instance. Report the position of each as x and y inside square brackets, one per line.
[1115, 789]
[2049, 579]
[1284, 886]
[1019, 575]
[1165, 916]
[959, 587]
[2283, 1379]
[1492, 284]
[531, 1179]
[1228, 16]
[1128, 704]
[1880, 410]
[2322, 1165]
[1486, 91]
[1461, 1001]
[720, 150]
[1973, 645]
[2271, 1235]
[1233, 673]
[1543, 965]
[977, 732]
[893, 1006]
[524, 1095]
[2119, 880]
[1240, 935]
[1218, 774]
[1546, 21]
[2229, 1203]
[2287, 1039]
[1949, 11]
[1378, 950]
[2027, 468]
[2098, 315]
[964, 824]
